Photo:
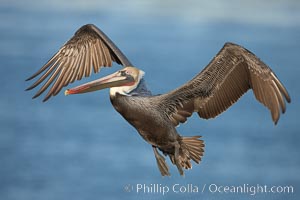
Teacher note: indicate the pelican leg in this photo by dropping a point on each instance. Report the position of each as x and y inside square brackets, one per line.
[176, 159]
[161, 163]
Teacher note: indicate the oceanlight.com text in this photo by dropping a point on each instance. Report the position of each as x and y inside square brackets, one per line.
[246, 189]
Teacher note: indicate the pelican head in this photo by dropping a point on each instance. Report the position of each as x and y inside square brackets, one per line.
[122, 82]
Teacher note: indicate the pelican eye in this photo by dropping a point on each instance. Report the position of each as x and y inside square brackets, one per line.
[123, 73]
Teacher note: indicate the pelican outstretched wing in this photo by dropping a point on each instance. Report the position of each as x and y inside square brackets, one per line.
[88, 49]
[231, 73]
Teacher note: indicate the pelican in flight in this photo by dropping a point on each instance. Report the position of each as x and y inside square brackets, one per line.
[230, 74]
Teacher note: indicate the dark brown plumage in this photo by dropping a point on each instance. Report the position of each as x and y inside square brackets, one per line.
[231, 73]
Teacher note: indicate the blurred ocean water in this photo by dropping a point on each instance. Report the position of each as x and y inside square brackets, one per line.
[79, 147]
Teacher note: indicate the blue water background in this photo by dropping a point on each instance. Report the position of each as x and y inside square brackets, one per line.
[79, 147]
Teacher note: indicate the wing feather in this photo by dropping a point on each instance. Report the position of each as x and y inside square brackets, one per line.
[75, 68]
[232, 72]
[48, 82]
[89, 49]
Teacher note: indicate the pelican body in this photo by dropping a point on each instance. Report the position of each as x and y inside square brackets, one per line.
[231, 73]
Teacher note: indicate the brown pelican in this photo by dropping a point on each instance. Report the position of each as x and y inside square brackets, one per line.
[231, 73]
